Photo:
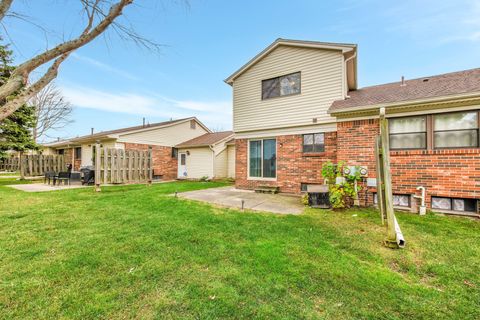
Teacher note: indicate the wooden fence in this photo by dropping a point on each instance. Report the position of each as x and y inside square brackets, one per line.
[10, 164]
[34, 165]
[38, 164]
[114, 166]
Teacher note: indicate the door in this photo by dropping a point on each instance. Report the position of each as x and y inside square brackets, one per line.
[182, 165]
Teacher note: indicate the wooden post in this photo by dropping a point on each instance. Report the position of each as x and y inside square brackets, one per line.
[380, 190]
[98, 153]
[130, 166]
[105, 165]
[22, 166]
[394, 236]
[150, 166]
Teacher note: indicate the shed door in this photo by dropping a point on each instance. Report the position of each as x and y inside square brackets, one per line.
[182, 165]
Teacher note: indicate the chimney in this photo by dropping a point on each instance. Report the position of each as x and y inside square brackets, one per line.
[58, 138]
[143, 121]
[403, 82]
[91, 132]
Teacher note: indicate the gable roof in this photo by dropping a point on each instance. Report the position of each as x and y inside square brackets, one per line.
[438, 86]
[206, 140]
[113, 133]
[343, 47]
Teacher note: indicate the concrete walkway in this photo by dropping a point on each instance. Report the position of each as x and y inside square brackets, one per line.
[40, 187]
[231, 197]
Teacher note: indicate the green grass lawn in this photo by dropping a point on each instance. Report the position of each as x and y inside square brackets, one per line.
[138, 252]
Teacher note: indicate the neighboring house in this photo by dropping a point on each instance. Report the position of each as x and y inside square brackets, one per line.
[162, 137]
[296, 105]
[210, 155]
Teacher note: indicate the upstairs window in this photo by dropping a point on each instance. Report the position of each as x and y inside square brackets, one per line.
[281, 86]
[408, 133]
[456, 130]
[314, 142]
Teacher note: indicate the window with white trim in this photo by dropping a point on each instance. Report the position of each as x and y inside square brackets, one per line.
[262, 158]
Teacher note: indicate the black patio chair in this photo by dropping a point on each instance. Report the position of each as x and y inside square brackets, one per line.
[49, 176]
[62, 177]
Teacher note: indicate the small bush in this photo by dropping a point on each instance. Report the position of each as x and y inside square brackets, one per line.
[341, 194]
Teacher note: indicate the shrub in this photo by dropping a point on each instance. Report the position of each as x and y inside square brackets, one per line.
[343, 191]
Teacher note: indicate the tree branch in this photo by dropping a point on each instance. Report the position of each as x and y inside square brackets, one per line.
[4, 7]
[20, 76]
[28, 92]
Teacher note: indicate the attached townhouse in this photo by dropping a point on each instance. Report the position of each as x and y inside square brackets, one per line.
[296, 105]
[162, 137]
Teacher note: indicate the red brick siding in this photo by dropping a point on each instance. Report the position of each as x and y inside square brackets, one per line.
[163, 163]
[450, 173]
[293, 166]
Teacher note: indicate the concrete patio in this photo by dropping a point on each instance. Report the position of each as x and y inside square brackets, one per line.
[40, 187]
[231, 197]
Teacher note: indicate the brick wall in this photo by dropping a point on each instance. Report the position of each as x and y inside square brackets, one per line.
[450, 173]
[163, 163]
[293, 166]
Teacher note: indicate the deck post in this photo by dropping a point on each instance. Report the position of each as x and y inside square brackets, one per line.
[98, 153]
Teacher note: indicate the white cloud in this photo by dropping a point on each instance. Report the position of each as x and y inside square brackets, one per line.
[214, 113]
[104, 66]
[438, 21]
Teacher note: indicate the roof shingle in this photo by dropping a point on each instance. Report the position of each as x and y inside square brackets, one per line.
[467, 81]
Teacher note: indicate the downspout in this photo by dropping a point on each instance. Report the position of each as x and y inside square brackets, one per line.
[213, 160]
[346, 81]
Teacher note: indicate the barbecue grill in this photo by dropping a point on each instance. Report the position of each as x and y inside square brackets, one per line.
[88, 173]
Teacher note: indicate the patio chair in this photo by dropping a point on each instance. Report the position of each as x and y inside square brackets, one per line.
[49, 176]
[62, 176]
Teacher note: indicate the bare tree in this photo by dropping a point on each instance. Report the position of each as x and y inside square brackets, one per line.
[17, 89]
[52, 111]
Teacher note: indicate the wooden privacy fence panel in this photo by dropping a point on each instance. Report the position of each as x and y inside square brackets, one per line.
[38, 164]
[114, 166]
[10, 164]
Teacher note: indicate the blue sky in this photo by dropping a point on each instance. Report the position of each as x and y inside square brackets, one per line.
[112, 83]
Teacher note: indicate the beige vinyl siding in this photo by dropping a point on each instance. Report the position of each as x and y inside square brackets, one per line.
[87, 154]
[49, 151]
[166, 136]
[321, 83]
[87, 150]
[231, 162]
[220, 165]
[199, 162]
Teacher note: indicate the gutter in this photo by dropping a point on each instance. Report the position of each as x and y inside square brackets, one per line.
[404, 103]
